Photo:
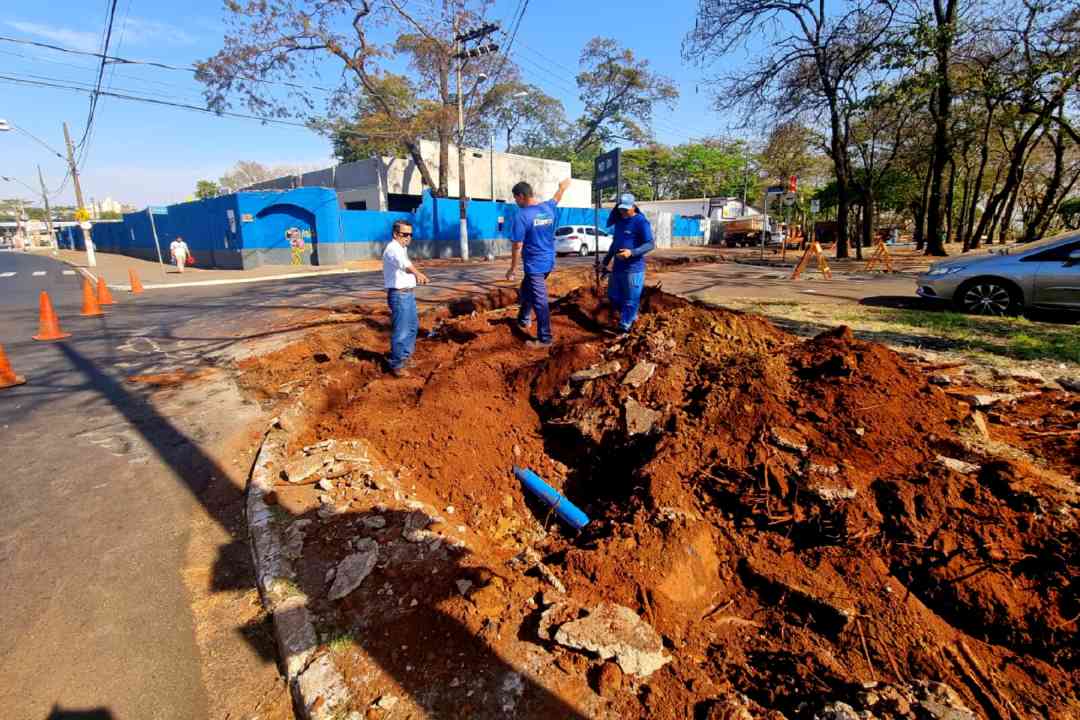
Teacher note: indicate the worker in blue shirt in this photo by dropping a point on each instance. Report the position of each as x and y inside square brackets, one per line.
[533, 237]
[632, 238]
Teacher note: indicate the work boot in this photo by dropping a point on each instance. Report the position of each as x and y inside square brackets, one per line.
[400, 372]
[538, 344]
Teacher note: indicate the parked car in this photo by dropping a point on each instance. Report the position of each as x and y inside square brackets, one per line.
[580, 239]
[1045, 273]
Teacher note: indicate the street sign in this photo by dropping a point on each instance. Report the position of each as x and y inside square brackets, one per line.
[775, 190]
[789, 199]
[606, 171]
[815, 206]
[159, 210]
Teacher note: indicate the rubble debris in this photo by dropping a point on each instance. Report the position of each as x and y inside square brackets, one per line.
[325, 484]
[1070, 383]
[640, 419]
[301, 468]
[597, 371]
[789, 440]
[964, 468]
[639, 374]
[615, 631]
[354, 569]
[373, 522]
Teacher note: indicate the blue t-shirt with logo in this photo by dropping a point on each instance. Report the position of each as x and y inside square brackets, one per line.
[534, 228]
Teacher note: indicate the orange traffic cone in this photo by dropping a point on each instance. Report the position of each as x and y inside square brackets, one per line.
[136, 286]
[49, 326]
[90, 305]
[8, 378]
[104, 297]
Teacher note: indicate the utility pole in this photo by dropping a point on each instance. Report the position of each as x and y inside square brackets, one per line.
[462, 55]
[81, 213]
[48, 211]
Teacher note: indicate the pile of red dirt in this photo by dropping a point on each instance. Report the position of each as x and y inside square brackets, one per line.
[796, 518]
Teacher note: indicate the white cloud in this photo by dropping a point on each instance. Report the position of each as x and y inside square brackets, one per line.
[139, 31]
[76, 39]
[134, 32]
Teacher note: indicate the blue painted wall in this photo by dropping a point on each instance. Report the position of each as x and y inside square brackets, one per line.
[261, 219]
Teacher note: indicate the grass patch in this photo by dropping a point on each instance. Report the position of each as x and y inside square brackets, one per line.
[1018, 338]
[339, 642]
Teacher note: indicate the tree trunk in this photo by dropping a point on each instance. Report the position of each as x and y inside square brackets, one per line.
[869, 203]
[1040, 218]
[920, 215]
[1006, 219]
[949, 197]
[961, 222]
[413, 148]
[940, 107]
[838, 143]
[984, 156]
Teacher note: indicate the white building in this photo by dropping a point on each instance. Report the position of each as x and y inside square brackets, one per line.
[717, 208]
[385, 183]
[108, 205]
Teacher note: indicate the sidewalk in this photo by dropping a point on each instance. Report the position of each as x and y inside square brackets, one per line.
[114, 268]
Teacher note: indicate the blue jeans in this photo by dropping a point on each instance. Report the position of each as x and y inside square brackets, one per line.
[405, 324]
[624, 291]
[533, 297]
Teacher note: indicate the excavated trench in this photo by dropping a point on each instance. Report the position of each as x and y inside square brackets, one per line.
[778, 509]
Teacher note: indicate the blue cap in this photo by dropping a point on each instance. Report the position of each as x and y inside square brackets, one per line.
[626, 201]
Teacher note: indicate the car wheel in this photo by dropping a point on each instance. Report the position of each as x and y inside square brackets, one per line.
[987, 297]
[583, 251]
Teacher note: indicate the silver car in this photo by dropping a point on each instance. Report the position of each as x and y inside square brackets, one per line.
[1040, 274]
[580, 239]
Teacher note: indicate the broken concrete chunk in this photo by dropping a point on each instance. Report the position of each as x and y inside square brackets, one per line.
[374, 522]
[325, 484]
[829, 469]
[788, 440]
[640, 419]
[322, 686]
[1072, 384]
[941, 702]
[354, 569]
[300, 469]
[597, 371]
[964, 468]
[615, 631]
[386, 702]
[833, 492]
[943, 381]
[463, 586]
[639, 374]
[1018, 374]
[983, 400]
[838, 711]
[415, 524]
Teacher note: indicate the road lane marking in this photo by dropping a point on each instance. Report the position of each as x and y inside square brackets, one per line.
[38, 273]
[69, 272]
[8, 274]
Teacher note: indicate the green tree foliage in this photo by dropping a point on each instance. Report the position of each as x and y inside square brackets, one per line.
[1069, 211]
[620, 93]
[206, 189]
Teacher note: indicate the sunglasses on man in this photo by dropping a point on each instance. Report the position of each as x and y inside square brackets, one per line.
[404, 234]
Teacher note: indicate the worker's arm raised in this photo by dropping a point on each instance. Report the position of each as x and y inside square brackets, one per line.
[562, 189]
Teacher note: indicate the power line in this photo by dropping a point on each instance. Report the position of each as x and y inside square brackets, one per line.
[101, 73]
[155, 63]
[60, 85]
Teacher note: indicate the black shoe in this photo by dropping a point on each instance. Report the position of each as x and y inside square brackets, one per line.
[538, 344]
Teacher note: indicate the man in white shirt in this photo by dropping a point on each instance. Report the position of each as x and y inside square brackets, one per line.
[399, 278]
[179, 250]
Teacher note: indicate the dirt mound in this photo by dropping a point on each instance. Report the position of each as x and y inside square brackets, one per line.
[797, 519]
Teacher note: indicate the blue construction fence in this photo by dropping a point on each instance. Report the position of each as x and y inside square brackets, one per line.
[248, 229]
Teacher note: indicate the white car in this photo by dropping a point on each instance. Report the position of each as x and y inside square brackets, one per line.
[580, 239]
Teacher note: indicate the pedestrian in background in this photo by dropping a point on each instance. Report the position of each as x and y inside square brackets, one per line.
[400, 278]
[533, 238]
[633, 238]
[179, 251]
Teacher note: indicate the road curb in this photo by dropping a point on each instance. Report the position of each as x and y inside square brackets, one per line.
[317, 687]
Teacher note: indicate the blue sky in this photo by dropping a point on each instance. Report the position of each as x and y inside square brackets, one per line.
[144, 154]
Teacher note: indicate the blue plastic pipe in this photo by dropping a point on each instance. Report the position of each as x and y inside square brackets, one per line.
[566, 510]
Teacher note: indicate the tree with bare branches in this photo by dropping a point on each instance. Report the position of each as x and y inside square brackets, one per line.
[816, 50]
[273, 50]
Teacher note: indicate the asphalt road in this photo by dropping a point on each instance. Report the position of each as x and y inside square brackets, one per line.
[99, 483]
